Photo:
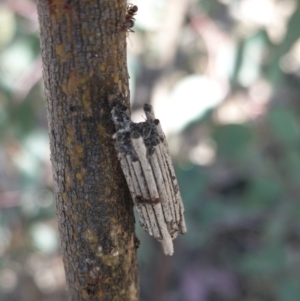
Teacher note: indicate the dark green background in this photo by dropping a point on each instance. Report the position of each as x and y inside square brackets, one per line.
[242, 205]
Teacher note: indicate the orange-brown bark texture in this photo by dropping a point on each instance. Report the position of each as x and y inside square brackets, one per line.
[85, 74]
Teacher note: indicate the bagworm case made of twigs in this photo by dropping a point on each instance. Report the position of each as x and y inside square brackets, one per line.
[146, 163]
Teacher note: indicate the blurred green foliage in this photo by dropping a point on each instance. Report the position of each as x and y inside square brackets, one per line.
[237, 161]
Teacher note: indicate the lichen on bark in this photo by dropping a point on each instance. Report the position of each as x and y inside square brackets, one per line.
[85, 74]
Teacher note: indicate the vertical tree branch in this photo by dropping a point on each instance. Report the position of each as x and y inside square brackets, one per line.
[85, 73]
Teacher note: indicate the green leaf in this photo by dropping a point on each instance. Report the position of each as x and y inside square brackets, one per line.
[266, 261]
[284, 125]
[289, 291]
[192, 183]
[291, 164]
[232, 140]
[262, 192]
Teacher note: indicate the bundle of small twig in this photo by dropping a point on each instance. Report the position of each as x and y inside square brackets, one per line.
[146, 163]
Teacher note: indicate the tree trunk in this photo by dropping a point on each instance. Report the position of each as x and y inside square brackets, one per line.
[85, 74]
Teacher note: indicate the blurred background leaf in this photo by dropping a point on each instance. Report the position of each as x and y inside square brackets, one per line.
[224, 79]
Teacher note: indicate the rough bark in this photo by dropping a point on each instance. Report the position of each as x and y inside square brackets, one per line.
[85, 74]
